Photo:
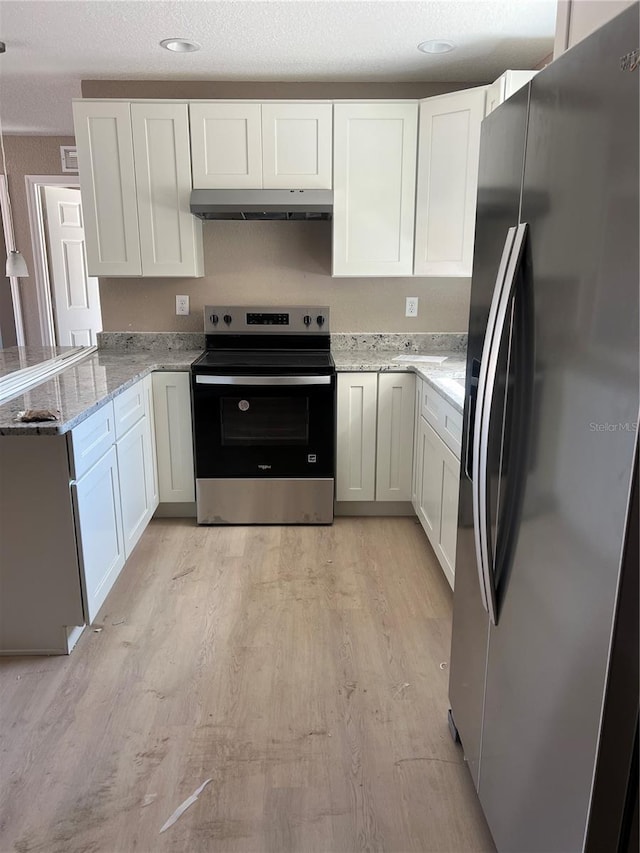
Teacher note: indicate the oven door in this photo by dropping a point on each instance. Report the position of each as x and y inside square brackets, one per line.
[264, 426]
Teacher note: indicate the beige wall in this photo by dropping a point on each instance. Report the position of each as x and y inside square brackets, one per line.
[30, 155]
[577, 19]
[275, 263]
[279, 263]
[194, 89]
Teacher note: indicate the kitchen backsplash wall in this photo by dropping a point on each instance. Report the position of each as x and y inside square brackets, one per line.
[280, 263]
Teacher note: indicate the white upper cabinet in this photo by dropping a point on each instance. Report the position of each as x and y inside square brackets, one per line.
[505, 86]
[374, 150]
[226, 146]
[135, 180]
[296, 146]
[448, 159]
[170, 236]
[255, 146]
[108, 187]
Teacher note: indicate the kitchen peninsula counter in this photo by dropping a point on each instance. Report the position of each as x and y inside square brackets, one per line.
[79, 390]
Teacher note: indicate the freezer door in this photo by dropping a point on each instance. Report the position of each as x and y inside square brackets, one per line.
[500, 178]
[548, 655]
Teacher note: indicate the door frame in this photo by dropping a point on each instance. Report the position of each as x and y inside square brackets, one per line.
[7, 227]
[35, 206]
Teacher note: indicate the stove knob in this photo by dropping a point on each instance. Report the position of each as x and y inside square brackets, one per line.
[214, 319]
[227, 318]
[320, 320]
[306, 320]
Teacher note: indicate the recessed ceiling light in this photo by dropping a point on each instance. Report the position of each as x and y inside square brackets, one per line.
[179, 45]
[436, 46]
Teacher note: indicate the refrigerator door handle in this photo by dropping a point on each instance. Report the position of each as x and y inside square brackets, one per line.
[473, 440]
[502, 315]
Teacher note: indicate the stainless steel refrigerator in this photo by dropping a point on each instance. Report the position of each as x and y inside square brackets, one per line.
[546, 530]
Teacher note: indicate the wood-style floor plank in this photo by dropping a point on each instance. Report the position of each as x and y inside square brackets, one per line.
[302, 669]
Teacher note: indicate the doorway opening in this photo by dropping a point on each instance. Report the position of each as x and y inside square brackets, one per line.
[11, 328]
[68, 297]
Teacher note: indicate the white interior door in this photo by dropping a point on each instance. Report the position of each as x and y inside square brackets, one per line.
[75, 294]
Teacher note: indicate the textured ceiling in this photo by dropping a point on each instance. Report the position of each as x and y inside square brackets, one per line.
[52, 46]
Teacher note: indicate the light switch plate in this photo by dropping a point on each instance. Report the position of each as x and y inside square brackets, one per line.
[182, 304]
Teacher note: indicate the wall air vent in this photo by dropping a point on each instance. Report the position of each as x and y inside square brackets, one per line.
[69, 158]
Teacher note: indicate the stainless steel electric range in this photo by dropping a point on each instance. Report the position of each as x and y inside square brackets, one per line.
[264, 403]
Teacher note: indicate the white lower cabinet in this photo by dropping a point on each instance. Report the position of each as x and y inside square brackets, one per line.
[375, 436]
[134, 469]
[99, 529]
[174, 441]
[436, 486]
[356, 438]
[114, 499]
[150, 445]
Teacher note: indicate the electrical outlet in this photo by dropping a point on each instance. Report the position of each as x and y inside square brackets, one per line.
[411, 309]
[182, 304]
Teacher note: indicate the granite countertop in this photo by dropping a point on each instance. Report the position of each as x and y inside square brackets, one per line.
[448, 377]
[79, 390]
[18, 358]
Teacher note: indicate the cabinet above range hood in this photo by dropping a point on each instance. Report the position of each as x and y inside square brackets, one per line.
[255, 205]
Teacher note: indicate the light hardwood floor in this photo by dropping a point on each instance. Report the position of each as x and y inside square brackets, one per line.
[303, 669]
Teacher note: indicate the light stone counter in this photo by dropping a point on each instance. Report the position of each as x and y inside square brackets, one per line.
[80, 390]
[18, 358]
[124, 358]
[447, 378]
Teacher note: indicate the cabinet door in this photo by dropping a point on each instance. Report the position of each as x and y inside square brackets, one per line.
[134, 475]
[430, 482]
[447, 182]
[170, 236]
[505, 86]
[226, 146]
[374, 189]
[174, 443]
[416, 445]
[448, 535]
[150, 445]
[396, 407]
[99, 528]
[108, 187]
[439, 482]
[356, 438]
[296, 146]
[495, 94]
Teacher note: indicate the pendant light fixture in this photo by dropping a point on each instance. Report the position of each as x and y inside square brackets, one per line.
[16, 265]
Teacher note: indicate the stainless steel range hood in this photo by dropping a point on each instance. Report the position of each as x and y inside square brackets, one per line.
[262, 204]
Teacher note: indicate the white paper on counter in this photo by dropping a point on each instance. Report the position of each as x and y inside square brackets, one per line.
[433, 359]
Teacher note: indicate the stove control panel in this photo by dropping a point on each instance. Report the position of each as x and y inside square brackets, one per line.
[243, 319]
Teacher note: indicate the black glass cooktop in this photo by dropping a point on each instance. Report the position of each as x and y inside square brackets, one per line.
[264, 362]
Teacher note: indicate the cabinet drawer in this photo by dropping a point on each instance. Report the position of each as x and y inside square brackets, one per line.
[91, 439]
[443, 417]
[128, 408]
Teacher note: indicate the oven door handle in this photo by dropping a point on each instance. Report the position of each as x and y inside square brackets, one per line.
[270, 381]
